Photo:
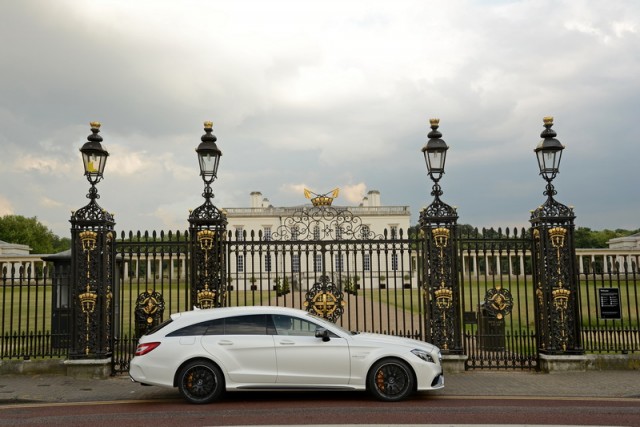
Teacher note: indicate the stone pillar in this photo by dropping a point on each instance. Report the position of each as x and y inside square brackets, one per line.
[93, 253]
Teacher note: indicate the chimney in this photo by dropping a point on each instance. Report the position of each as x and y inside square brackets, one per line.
[256, 199]
[374, 198]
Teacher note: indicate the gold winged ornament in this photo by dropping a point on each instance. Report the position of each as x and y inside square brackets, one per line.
[321, 199]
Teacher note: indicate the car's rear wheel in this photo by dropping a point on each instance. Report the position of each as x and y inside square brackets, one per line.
[200, 381]
[390, 380]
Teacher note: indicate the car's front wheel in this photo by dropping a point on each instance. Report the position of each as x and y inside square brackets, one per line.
[390, 380]
[200, 381]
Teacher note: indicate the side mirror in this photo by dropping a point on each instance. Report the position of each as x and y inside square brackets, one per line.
[322, 333]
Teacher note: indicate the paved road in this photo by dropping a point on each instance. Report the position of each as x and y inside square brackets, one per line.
[256, 408]
[56, 388]
[609, 398]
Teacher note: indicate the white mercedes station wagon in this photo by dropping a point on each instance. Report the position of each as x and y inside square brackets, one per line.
[205, 352]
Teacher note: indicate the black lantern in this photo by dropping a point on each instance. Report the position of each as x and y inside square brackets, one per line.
[435, 152]
[549, 152]
[94, 156]
[208, 155]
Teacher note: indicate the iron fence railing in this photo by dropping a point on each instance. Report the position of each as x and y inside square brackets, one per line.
[33, 314]
[610, 304]
[379, 278]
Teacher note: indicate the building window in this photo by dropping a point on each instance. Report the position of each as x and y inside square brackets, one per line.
[394, 231]
[267, 262]
[239, 233]
[366, 262]
[295, 263]
[295, 233]
[394, 262]
[316, 233]
[317, 263]
[267, 233]
[240, 264]
[339, 262]
[338, 233]
[365, 231]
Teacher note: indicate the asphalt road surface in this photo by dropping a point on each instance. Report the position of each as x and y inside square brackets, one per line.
[326, 408]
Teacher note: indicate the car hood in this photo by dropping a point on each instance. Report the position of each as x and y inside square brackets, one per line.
[365, 337]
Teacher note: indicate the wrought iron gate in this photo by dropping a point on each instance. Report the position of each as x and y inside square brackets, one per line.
[497, 289]
[323, 259]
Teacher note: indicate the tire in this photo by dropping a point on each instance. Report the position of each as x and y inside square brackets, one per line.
[201, 381]
[390, 380]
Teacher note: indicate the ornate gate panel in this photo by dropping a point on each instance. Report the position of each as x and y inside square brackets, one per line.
[498, 308]
[324, 259]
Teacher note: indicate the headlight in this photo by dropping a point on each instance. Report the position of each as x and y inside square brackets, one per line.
[423, 355]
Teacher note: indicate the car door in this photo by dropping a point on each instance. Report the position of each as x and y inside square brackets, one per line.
[304, 359]
[244, 349]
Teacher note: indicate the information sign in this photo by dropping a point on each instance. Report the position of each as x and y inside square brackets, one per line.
[609, 300]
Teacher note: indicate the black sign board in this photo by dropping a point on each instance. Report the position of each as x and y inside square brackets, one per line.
[470, 318]
[609, 299]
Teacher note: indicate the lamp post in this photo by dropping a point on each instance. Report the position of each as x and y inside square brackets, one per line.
[438, 227]
[94, 159]
[549, 154]
[207, 228]
[554, 260]
[92, 262]
[435, 155]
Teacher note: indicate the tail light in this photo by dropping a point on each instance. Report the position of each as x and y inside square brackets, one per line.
[145, 348]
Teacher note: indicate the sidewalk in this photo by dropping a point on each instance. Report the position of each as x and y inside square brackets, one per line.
[599, 384]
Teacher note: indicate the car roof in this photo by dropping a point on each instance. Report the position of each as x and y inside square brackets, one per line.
[212, 313]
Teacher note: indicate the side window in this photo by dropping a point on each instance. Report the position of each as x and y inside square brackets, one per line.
[255, 324]
[287, 325]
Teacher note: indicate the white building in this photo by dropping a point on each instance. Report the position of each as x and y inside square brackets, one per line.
[254, 230]
[262, 217]
[16, 260]
[628, 242]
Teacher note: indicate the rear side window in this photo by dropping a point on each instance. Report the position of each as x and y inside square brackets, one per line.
[158, 327]
[210, 327]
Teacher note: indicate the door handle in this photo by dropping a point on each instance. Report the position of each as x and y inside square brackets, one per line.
[287, 342]
[225, 342]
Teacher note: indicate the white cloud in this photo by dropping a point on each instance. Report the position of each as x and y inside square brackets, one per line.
[6, 207]
[354, 193]
[319, 94]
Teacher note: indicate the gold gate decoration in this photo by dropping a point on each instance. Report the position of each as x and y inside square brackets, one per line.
[498, 302]
[88, 299]
[149, 311]
[207, 297]
[443, 294]
[324, 299]
[560, 295]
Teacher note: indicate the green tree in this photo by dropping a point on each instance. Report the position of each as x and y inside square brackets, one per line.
[587, 238]
[29, 231]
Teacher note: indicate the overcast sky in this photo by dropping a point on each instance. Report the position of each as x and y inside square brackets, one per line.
[319, 94]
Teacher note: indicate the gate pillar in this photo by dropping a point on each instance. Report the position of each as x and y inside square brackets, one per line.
[438, 226]
[207, 229]
[554, 260]
[92, 264]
